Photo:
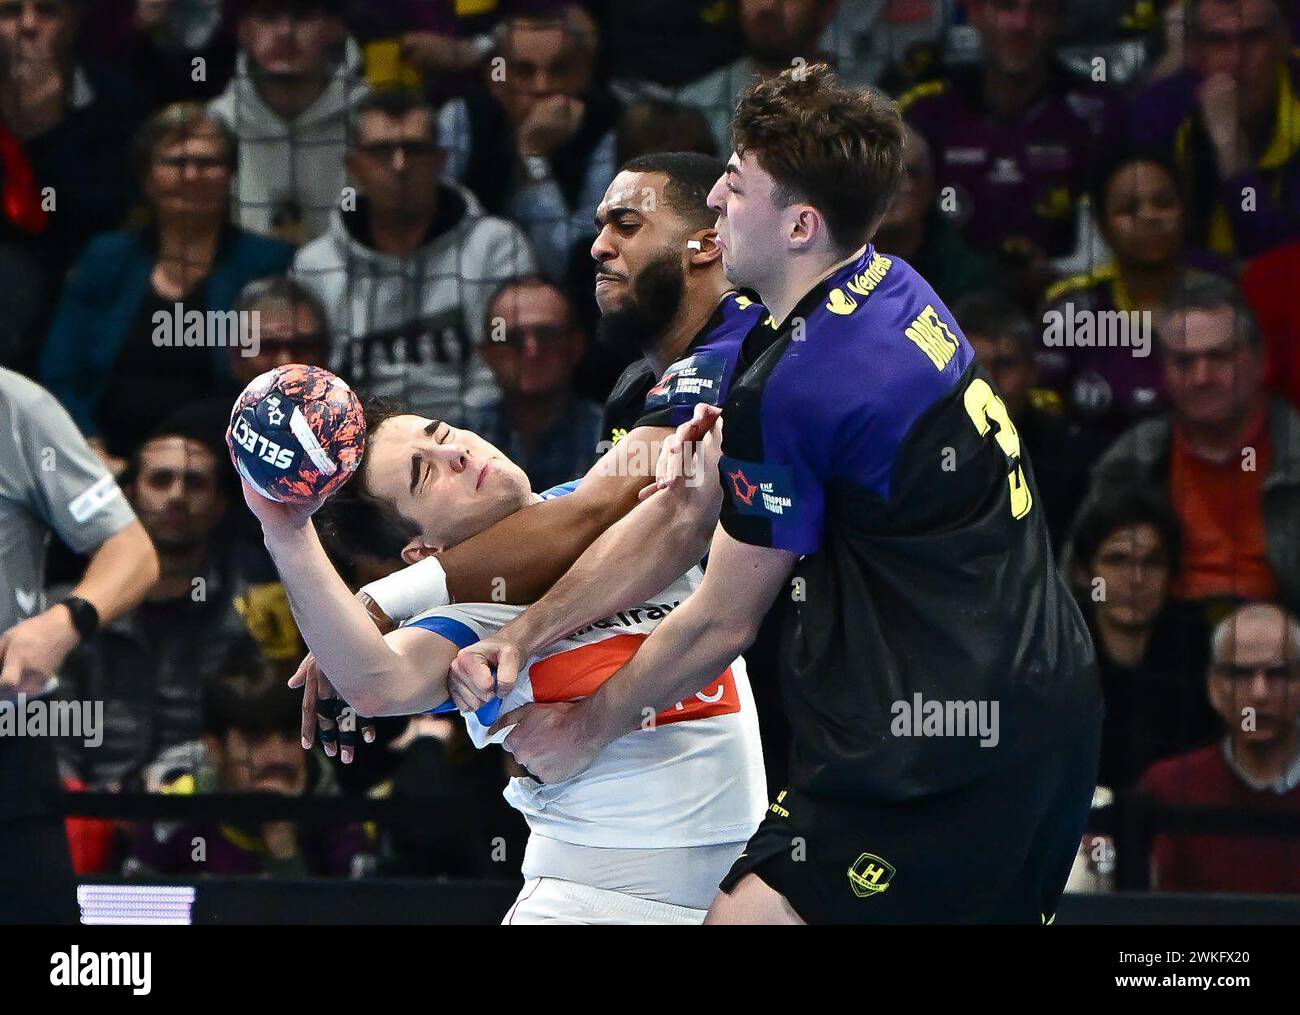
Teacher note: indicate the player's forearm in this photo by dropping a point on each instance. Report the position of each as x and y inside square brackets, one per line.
[336, 627]
[637, 558]
[120, 573]
[684, 654]
[523, 555]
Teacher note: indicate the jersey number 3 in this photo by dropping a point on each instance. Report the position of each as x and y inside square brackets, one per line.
[985, 409]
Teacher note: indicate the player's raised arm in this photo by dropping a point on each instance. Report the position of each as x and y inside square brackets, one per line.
[370, 673]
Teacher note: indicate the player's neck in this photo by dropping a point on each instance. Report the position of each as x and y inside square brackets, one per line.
[697, 306]
[787, 293]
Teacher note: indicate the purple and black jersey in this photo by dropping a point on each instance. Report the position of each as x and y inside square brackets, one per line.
[862, 435]
[702, 375]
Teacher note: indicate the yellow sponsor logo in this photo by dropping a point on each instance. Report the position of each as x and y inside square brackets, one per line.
[776, 806]
[618, 433]
[860, 284]
[870, 875]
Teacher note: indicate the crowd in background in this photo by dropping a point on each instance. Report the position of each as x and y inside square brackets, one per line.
[1106, 194]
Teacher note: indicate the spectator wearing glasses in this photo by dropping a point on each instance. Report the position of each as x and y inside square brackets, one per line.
[1226, 454]
[297, 78]
[291, 328]
[404, 271]
[1231, 121]
[533, 345]
[1254, 684]
[106, 358]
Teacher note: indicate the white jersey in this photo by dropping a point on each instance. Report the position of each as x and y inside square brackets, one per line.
[692, 778]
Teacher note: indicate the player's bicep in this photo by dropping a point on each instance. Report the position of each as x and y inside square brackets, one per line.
[421, 678]
[742, 581]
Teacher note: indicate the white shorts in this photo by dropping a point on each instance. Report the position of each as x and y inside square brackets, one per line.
[550, 900]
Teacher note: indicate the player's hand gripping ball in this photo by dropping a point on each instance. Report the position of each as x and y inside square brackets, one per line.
[297, 434]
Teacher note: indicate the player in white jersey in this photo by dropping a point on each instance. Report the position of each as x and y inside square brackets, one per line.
[645, 833]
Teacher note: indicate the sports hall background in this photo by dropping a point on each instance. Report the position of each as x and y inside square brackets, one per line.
[1122, 181]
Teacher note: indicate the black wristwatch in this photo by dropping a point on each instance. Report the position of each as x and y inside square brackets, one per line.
[85, 618]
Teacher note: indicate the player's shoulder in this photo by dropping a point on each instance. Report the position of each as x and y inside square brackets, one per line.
[26, 403]
[882, 337]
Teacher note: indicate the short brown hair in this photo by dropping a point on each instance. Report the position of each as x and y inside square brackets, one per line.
[838, 148]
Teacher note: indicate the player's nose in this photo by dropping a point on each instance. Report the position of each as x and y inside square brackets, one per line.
[717, 196]
[450, 455]
[601, 249]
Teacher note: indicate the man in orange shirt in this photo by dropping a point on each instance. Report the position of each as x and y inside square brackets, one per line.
[1226, 454]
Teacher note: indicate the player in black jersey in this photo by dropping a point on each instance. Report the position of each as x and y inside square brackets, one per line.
[937, 674]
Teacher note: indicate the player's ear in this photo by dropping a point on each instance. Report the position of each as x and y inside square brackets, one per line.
[803, 226]
[416, 550]
[702, 248]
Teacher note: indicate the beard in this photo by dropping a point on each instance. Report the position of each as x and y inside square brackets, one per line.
[652, 303]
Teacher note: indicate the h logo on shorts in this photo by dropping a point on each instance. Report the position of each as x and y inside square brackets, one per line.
[870, 875]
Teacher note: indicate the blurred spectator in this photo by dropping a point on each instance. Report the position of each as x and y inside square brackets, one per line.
[71, 119]
[176, 50]
[1231, 120]
[1270, 284]
[871, 39]
[437, 763]
[1013, 137]
[27, 282]
[250, 745]
[533, 345]
[536, 143]
[663, 44]
[1151, 651]
[1058, 453]
[1254, 683]
[1116, 377]
[148, 666]
[1226, 454]
[405, 273]
[777, 33]
[124, 350]
[657, 125]
[291, 328]
[916, 230]
[297, 78]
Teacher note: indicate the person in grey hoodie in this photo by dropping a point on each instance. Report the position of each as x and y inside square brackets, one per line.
[407, 266]
[297, 78]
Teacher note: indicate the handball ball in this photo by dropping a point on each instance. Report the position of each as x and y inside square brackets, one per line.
[297, 433]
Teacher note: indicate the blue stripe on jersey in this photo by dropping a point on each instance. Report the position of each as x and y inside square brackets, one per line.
[560, 490]
[460, 635]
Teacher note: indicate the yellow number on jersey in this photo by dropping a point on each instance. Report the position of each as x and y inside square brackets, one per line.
[985, 408]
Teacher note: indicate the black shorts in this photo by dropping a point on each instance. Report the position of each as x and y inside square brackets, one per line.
[998, 850]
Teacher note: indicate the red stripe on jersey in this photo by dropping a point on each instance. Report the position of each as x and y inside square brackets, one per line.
[567, 676]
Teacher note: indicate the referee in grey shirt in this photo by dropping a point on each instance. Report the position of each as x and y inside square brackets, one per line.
[50, 479]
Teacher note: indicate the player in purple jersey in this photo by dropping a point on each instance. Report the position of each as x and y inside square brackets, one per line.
[938, 677]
